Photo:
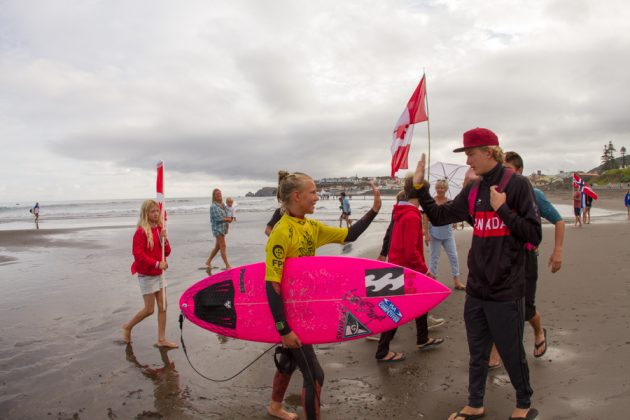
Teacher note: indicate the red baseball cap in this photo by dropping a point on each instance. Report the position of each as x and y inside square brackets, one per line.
[478, 137]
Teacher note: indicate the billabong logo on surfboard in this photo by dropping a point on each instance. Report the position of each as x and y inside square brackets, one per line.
[353, 327]
[385, 282]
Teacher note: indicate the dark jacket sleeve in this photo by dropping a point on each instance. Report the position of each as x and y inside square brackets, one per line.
[388, 238]
[275, 218]
[360, 225]
[524, 222]
[447, 213]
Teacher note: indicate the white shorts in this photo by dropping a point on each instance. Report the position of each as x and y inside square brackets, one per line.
[150, 284]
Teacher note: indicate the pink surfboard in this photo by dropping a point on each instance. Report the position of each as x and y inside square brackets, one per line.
[326, 299]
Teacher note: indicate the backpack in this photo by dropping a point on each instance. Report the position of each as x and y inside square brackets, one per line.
[474, 190]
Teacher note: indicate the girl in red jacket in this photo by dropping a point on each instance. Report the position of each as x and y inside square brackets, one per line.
[406, 249]
[148, 263]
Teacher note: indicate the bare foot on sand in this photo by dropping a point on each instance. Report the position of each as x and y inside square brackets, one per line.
[126, 334]
[166, 343]
[276, 409]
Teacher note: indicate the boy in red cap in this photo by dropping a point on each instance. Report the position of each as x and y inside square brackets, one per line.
[502, 210]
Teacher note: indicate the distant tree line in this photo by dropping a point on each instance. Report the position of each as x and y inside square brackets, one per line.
[608, 159]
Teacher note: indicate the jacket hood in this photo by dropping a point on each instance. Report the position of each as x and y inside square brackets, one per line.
[401, 210]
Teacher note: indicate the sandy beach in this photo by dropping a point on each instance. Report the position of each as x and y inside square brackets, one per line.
[66, 293]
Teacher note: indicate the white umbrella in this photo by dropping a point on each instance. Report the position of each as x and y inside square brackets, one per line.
[452, 173]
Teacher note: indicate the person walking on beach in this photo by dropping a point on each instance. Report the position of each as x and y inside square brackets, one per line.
[547, 211]
[297, 236]
[148, 263]
[345, 209]
[406, 249]
[502, 210]
[219, 219]
[626, 201]
[577, 206]
[588, 203]
[442, 237]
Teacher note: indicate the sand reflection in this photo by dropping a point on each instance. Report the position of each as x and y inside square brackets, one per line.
[170, 400]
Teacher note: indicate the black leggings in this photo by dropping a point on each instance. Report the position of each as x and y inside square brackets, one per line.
[422, 336]
[313, 375]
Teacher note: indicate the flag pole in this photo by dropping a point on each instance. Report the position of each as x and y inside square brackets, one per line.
[426, 96]
[162, 239]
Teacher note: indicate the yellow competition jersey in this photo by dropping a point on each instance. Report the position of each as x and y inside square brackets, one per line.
[293, 237]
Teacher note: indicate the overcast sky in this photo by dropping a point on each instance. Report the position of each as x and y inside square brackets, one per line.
[94, 93]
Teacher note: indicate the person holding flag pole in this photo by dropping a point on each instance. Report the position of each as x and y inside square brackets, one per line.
[150, 249]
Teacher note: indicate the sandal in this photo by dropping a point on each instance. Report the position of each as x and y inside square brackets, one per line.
[539, 345]
[431, 343]
[468, 416]
[531, 415]
[395, 357]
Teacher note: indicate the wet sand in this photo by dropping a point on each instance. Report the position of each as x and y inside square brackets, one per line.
[65, 294]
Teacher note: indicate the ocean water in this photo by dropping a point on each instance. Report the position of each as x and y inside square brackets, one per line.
[92, 213]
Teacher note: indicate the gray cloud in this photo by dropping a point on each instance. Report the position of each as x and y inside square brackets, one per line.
[237, 91]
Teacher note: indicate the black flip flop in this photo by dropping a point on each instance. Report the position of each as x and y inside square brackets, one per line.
[531, 415]
[542, 343]
[431, 343]
[469, 416]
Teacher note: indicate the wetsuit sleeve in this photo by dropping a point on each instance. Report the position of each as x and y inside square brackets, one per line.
[277, 308]
[275, 218]
[388, 238]
[524, 222]
[360, 225]
[276, 250]
[447, 213]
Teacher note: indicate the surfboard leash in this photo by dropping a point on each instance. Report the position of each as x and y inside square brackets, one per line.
[181, 339]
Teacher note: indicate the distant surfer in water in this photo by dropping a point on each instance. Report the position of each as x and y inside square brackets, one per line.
[296, 236]
[147, 255]
[35, 211]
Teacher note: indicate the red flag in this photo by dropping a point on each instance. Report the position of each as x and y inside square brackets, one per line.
[159, 189]
[414, 112]
[583, 187]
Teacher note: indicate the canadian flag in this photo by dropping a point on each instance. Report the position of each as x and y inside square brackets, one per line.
[159, 189]
[414, 112]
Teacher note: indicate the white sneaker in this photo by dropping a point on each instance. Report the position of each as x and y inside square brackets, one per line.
[435, 322]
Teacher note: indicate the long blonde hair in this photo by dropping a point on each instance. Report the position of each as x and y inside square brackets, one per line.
[143, 221]
[287, 183]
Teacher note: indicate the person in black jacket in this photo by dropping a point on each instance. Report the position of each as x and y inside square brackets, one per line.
[502, 210]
